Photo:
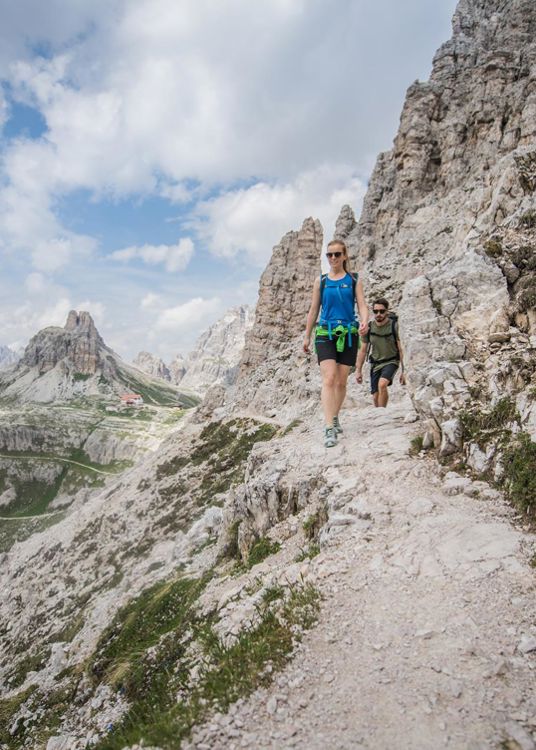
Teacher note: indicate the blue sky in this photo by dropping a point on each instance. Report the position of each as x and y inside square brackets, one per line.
[152, 152]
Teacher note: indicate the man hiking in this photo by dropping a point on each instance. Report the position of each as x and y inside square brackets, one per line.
[384, 352]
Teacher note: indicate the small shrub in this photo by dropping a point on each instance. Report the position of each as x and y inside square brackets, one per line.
[493, 248]
[528, 219]
[307, 553]
[519, 479]
[482, 426]
[416, 445]
[314, 522]
[291, 426]
[261, 550]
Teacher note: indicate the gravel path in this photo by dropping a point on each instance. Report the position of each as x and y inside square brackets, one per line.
[427, 635]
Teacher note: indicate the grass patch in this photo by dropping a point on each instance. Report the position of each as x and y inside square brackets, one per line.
[81, 376]
[313, 523]
[224, 672]
[307, 553]
[291, 426]
[519, 479]
[29, 663]
[416, 445]
[262, 549]
[528, 219]
[481, 427]
[138, 626]
[493, 248]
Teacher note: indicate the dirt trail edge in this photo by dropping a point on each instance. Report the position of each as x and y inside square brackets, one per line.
[427, 635]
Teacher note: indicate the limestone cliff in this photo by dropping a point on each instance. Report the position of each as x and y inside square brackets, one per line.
[217, 353]
[274, 375]
[154, 366]
[447, 227]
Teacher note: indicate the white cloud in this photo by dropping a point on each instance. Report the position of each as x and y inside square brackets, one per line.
[150, 300]
[255, 218]
[35, 283]
[4, 108]
[96, 309]
[192, 313]
[173, 257]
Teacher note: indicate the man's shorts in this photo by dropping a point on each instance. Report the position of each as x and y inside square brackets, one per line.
[326, 349]
[388, 372]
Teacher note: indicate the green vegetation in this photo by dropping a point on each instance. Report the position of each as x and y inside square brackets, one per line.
[526, 295]
[307, 553]
[164, 701]
[153, 392]
[524, 258]
[481, 427]
[416, 445]
[223, 448]
[81, 376]
[493, 247]
[528, 220]
[29, 663]
[290, 427]
[262, 548]
[519, 479]
[314, 522]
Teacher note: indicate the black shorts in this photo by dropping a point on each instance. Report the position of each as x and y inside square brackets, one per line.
[388, 372]
[326, 349]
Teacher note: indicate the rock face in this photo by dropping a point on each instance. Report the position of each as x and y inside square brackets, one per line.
[152, 365]
[217, 353]
[79, 342]
[447, 228]
[213, 361]
[60, 364]
[274, 371]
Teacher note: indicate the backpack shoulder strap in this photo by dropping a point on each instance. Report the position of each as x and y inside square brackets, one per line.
[323, 277]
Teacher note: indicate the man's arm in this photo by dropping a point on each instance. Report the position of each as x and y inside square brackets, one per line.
[401, 355]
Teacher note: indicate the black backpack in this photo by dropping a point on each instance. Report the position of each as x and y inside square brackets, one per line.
[393, 317]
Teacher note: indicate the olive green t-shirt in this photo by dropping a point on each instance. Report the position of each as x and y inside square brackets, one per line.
[382, 344]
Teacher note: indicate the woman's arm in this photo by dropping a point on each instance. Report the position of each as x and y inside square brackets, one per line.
[362, 307]
[312, 316]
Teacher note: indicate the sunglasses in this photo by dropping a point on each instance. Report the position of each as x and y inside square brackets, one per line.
[380, 312]
[333, 255]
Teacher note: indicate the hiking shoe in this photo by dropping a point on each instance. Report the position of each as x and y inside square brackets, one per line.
[337, 426]
[330, 438]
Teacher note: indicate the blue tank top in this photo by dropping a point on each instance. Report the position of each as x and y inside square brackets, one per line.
[338, 303]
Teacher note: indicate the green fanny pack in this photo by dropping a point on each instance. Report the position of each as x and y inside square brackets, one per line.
[340, 332]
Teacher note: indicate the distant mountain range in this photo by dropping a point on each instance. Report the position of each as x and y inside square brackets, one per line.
[8, 357]
[62, 364]
[214, 359]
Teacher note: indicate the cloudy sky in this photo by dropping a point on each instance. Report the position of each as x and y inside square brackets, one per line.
[152, 152]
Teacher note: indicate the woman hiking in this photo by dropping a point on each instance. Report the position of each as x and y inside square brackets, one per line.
[336, 339]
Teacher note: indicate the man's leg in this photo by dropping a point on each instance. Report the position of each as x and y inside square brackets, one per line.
[383, 393]
[386, 376]
[374, 377]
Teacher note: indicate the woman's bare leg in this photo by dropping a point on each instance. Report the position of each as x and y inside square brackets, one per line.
[328, 371]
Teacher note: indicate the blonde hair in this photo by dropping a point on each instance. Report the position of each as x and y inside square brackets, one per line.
[346, 261]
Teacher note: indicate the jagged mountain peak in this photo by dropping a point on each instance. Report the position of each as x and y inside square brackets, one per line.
[60, 364]
[80, 322]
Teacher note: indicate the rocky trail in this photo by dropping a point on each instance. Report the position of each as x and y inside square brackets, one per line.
[427, 632]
